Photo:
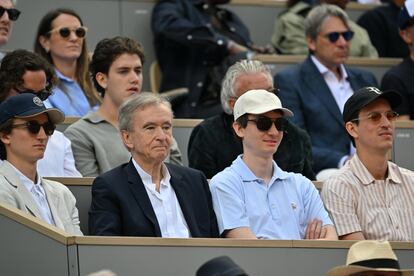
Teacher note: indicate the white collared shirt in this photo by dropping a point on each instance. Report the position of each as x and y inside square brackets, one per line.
[340, 89]
[165, 204]
[39, 195]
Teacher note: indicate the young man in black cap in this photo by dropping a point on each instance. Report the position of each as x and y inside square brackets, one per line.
[25, 128]
[370, 197]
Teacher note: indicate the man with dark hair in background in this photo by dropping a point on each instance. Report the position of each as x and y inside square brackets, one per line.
[22, 71]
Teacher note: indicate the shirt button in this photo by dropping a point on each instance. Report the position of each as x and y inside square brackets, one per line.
[397, 227]
[220, 42]
[199, 84]
[232, 29]
[189, 37]
[193, 104]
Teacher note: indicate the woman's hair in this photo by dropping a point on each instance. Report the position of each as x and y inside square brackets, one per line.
[82, 64]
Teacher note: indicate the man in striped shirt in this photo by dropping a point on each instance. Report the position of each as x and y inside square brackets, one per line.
[370, 197]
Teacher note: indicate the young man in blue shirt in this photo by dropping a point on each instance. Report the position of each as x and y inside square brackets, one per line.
[254, 198]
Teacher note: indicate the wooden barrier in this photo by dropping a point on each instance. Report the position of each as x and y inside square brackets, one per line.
[32, 247]
[403, 145]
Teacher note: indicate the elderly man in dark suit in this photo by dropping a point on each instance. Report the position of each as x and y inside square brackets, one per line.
[146, 197]
[317, 89]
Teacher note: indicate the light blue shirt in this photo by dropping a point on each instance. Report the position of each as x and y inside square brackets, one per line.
[280, 210]
[72, 101]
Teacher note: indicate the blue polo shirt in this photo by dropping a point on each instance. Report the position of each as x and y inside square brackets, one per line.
[72, 101]
[280, 210]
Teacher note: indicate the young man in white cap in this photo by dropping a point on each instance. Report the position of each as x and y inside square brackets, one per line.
[370, 258]
[254, 198]
[371, 197]
[25, 128]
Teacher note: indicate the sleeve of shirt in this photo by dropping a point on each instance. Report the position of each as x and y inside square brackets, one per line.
[313, 204]
[340, 203]
[83, 152]
[228, 203]
[69, 161]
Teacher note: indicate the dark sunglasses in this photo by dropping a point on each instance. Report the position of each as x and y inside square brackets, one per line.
[43, 94]
[65, 31]
[34, 127]
[334, 36]
[375, 117]
[265, 123]
[13, 13]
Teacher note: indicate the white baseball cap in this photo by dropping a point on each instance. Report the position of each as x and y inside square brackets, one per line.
[258, 102]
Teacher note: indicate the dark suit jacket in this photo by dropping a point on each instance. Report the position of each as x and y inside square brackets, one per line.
[121, 206]
[304, 91]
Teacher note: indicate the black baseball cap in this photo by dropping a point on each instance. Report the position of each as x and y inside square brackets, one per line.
[365, 96]
[27, 105]
[406, 16]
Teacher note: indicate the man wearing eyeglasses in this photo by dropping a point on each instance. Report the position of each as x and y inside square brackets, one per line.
[8, 14]
[22, 71]
[254, 198]
[213, 146]
[317, 89]
[370, 197]
[25, 128]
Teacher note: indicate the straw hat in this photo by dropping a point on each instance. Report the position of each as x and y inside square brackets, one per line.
[370, 255]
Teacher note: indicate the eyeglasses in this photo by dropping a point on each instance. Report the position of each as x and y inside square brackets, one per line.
[375, 117]
[64, 32]
[42, 94]
[265, 123]
[34, 127]
[13, 13]
[334, 36]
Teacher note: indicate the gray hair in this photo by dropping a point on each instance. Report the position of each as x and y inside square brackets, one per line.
[317, 16]
[242, 67]
[136, 102]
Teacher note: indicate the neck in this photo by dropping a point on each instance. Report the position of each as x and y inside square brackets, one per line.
[27, 168]
[375, 162]
[109, 111]
[66, 67]
[260, 166]
[152, 168]
[412, 54]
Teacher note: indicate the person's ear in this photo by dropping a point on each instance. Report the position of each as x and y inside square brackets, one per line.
[126, 139]
[102, 80]
[45, 42]
[352, 129]
[232, 102]
[311, 43]
[238, 129]
[5, 138]
[406, 37]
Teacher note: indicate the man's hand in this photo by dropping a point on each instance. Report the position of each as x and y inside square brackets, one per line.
[315, 230]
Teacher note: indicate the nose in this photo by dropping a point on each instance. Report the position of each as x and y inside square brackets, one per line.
[72, 35]
[41, 134]
[273, 130]
[342, 41]
[5, 17]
